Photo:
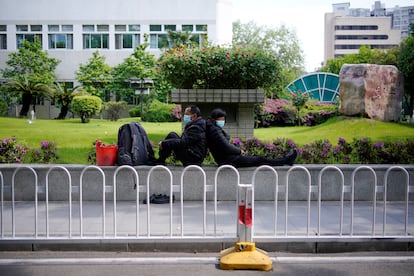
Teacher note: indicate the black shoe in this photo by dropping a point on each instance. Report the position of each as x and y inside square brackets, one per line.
[159, 199]
[291, 157]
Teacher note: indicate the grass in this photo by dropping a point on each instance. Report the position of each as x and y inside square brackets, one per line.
[345, 127]
[74, 139]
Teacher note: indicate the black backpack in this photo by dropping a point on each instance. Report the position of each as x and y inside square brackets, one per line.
[134, 147]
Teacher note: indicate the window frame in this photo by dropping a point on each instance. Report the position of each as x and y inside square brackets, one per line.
[95, 36]
[127, 36]
[60, 34]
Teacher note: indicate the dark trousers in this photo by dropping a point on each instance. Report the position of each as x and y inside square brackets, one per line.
[254, 161]
[179, 152]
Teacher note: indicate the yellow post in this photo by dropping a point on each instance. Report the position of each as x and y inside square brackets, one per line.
[244, 254]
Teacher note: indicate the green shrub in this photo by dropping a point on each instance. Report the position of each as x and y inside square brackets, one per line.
[86, 107]
[159, 112]
[114, 109]
[135, 111]
[217, 67]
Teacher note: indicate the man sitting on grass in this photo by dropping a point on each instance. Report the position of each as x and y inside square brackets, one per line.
[225, 153]
[191, 147]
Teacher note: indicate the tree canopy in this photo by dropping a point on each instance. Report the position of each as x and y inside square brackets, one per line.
[30, 71]
[282, 42]
[406, 66]
[364, 55]
[95, 75]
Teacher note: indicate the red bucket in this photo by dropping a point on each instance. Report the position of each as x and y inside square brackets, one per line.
[105, 154]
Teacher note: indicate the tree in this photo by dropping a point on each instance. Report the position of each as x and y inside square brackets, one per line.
[63, 95]
[364, 55]
[30, 70]
[281, 41]
[140, 64]
[177, 39]
[406, 66]
[95, 75]
[28, 90]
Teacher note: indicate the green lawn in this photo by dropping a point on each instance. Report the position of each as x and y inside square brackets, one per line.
[345, 127]
[74, 139]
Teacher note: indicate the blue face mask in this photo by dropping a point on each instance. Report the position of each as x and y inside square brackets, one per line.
[220, 123]
[186, 119]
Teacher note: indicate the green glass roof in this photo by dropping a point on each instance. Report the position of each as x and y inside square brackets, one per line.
[320, 86]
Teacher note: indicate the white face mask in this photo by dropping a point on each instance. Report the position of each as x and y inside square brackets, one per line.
[220, 123]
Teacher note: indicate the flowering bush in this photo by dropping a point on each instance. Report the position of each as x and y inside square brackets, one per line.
[277, 112]
[276, 149]
[46, 154]
[359, 151]
[217, 67]
[11, 151]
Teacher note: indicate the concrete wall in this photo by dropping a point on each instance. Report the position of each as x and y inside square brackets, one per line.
[193, 182]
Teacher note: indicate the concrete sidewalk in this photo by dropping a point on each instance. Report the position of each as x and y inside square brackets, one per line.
[159, 226]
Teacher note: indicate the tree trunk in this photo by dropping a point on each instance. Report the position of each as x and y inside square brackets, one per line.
[26, 101]
[63, 112]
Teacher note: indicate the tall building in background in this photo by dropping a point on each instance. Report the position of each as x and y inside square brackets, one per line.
[346, 29]
[402, 17]
[72, 30]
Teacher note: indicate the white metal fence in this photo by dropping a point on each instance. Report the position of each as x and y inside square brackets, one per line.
[243, 218]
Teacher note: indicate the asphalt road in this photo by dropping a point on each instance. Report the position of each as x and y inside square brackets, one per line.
[112, 263]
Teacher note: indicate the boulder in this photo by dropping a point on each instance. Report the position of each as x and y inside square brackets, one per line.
[371, 90]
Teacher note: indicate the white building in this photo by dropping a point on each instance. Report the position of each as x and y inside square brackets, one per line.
[346, 30]
[72, 30]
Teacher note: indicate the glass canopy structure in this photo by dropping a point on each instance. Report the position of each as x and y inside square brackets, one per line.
[320, 86]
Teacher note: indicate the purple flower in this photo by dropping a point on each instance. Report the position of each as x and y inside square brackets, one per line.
[341, 140]
[378, 145]
[44, 144]
[291, 143]
[236, 141]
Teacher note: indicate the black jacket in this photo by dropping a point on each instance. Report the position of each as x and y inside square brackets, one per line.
[218, 142]
[193, 140]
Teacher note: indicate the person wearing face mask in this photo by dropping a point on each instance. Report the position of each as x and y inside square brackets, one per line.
[225, 153]
[191, 147]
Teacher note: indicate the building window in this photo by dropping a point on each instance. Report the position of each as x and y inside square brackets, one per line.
[170, 28]
[356, 27]
[361, 37]
[58, 38]
[95, 37]
[127, 38]
[356, 47]
[3, 37]
[30, 33]
[187, 28]
[200, 35]
[158, 36]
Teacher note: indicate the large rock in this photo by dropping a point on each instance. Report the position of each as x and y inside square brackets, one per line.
[371, 90]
